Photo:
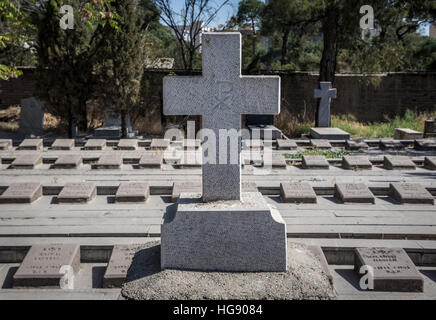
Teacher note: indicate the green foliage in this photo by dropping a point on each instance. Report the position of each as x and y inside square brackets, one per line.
[329, 154]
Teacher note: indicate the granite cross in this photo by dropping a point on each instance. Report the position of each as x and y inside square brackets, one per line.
[221, 95]
[326, 93]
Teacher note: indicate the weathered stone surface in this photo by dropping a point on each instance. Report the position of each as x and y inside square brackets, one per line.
[393, 270]
[283, 144]
[297, 192]
[151, 160]
[95, 144]
[325, 93]
[113, 131]
[159, 144]
[315, 162]
[110, 160]
[77, 193]
[276, 161]
[22, 193]
[430, 163]
[407, 134]
[128, 144]
[68, 161]
[190, 160]
[353, 193]
[329, 134]
[256, 159]
[28, 161]
[221, 95]
[425, 145]
[132, 192]
[399, 163]
[5, 144]
[391, 145]
[31, 117]
[190, 187]
[191, 144]
[356, 145]
[31, 144]
[63, 144]
[320, 144]
[255, 145]
[410, 193]
[42, 265]
[430, 129]
[264, 132]
[220, 236]
[119, 264]
[356, 162]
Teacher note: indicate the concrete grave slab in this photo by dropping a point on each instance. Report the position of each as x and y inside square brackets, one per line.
[329, 134]
[430, 163]
[320, 143]
[190, 160]
[185, 187]
[95, 144]
[191, 144]
[356, 145]
[68, 161]
[393, 270]
[353, 193]
[425, 145]
[297, 192]
[391, 145]
[256, 159]
[110, 160]
[63, 144]
[5, 144]
[276, 161]
[159, 144]
[407, 134]
[22, 193]
[43, 264]
[284, 144]
[399, 163]
[413, 193]
[28, 161]
[356, 162]
[255, 145]
[315, 162]
[127, 144]
[151, 160]
[31, 144]
[77, 193]
[132, 192]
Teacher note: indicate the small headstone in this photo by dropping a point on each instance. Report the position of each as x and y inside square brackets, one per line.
[31, 117]
[356, 162]
[407, 134]
[31, 144]
[68, 161]
[22, 193]
[159, 144]
[410, 193]
[43, 265]
[430, 163]
[184, 187]
[325, 93]
[430, 129]
[151, 160]
[74, 130]
[391, 145]
[77, 193]
[111, 160]
[119, 263]
[191, 144]
[393, 269]
[128, 144]
[28, 161]
[297, 192]
[95, 144]
[353, 193]
[276, 161]
[5, 144]
[132, 192]
[315, 162]
[320, 144]
[356, 145]
[63, 144]
[425, 145]
[108, 132]
[399, 163]
[255, 145]
[283, 144]
[329, 134]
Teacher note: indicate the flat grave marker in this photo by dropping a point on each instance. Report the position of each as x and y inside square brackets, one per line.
[184, 187]
[111, 160]
[354, 193]
[127, 144]
[63, 144]
[159, 144]
[391, 145]
[425, 145]
[276, 161]
[398, 163]
[5, 144]
[407, 134]
[283, 144]
[95, 144]
[42, 265]
[354, 145]
[119, 263]
[320, 143]
[430, 163]
[413, 193]
[315, 162]
[31, 144]
[329, 134]
[77, 193]
[297, 192]
[190, 160]
[22, 193]
[151, 160]
[68, 161]
[28, 161]
[132, 192]
[254, 145]
[356, 162]
[393, 269]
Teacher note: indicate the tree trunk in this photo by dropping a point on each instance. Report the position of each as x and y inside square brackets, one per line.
[70, 124]
[123, 124]
[253, 28]
[285, 46]
[83, 121]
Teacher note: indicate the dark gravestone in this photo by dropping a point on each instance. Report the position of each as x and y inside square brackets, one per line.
[320, 144]
[315, 162]
[286, 144]
[430, 163]
[132, 192]
[31, 117]
[127, 144]
[261, 127]
[356, 162]
[353, 193]
[399, 163]
[430, 129]
[77, 193]
[410, 193]
[391, 145]
[63, 144]
[31, 144]
[29, 161]
[356, 145]
[425, 145]
[119, 263]
[112, 160]
[297, 192]
[259, 120]
[151, 160]
[22, 193]
[95, 144]
[5, 144]
[43, 264]
[393, 270]
[68, 161]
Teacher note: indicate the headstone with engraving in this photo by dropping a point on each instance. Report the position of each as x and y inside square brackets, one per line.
[325, 93]
[132, 192]
[77, 193]
[353, 193]
[63, 144]
[315, 162]
[31, 117]
[297, 192]
[31, 144]
[356, 162]
[68, 161]
[413, 193]
[119, 263]
[22, 193]
[399, 163]
[28, 161]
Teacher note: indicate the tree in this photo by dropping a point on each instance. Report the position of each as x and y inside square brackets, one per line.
[250, 12]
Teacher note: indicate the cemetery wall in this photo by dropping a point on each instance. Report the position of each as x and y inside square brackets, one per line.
[367, 98]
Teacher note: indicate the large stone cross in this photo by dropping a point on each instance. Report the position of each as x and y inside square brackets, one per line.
[326, 93]
[221, 95]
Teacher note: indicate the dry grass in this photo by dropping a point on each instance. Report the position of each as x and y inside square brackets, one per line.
[10, 120]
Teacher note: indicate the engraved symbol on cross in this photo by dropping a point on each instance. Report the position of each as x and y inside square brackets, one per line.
[225, 93]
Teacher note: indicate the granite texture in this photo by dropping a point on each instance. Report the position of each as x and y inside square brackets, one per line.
[325, 93]
[29, 161]
[315, 162]
[31, 144]
[159, 144]
[31, 117]
[127, 144]
[398, 163]
[286, 144]
[110, 160]
[430, 163]
[63, 144]
[321, 143]
[151, 160]
[354, 145]
[95, 144]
